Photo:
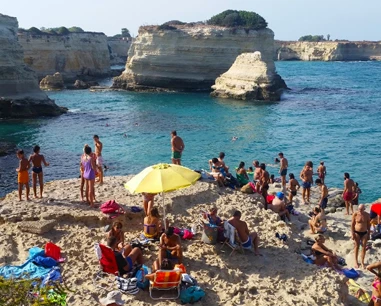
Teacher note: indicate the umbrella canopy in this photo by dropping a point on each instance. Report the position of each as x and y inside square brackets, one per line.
[162, 178]
[376, 208]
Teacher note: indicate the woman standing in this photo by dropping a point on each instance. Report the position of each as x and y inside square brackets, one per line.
[88, 165]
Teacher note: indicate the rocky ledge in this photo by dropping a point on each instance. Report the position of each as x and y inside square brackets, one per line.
[250, 78]
[20, 96]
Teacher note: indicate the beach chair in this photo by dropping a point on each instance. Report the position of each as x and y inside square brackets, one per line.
[166, 285]
[232, 238]
[108, 267]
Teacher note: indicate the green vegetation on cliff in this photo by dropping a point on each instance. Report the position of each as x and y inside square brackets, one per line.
[238, 19]
[312, 38]
[52, 31]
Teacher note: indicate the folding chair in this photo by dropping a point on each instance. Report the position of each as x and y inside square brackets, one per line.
[164, 282]
[107, 263]
[232, 238]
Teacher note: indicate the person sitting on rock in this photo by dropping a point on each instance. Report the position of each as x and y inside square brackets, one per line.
[170, 246]
[318, 221]
[125, 259]
[242, 176]
[278, 206]
[323, 254]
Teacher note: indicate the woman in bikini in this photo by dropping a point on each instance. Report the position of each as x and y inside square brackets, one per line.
[376, 293]
[88, 165]
[216, 221]
[318, 222]
[216, 168]
[148, 201]
[242, 176]
[116, 231]
[152, 224]
[323, 254]
[37, 160]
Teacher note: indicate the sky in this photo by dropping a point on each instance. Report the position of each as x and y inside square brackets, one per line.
[289, 19]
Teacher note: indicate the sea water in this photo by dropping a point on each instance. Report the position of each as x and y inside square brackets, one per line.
[332, 113]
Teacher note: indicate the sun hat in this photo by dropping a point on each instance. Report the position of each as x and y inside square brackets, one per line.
[112, 297]
[280, 195]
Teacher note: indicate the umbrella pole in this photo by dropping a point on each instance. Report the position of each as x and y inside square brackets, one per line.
[164, 219]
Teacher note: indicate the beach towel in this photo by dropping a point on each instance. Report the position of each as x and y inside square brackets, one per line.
[27, 270]
[360, 293]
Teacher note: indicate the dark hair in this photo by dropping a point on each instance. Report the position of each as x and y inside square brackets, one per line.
[291, 176]
[309, 164]
[346, 175]
[169, 231]
[36, 149]
[174, 133]
[256, 163]
[241, 165]
[262, 166]
[221, 155]
[280, 154]
[318, 181]
[96, 136]
[87, 150]
[277, 160]
[215, 160]
[357, 184]
[154, 212]
[117, 224]
[166, 264]
[272, 176]
[237, 213]
[111, 241]
[321, 163]
[317, 209]
[20, 152]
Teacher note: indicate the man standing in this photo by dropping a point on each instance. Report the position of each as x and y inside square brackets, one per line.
[98, 152]
[322, 171]
[264, 182]
[360, 233]
[324, 194]
[306, 176]
[248, 239]
[349, 192]
[177, 148]
[283, 169]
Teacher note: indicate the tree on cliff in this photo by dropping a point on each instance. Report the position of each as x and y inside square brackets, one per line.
[126, 32]
[312, 38]
[238, 19]
[76, 29]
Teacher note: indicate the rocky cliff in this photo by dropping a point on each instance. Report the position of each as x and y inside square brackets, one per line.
[327, 51]
[74, 55]
[250, 78]
[188, 57]
[20, 95]
[118, 50]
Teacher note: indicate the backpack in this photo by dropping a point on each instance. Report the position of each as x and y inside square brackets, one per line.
[52, 250]
[111, 207]
[142, 282]
[191, 295]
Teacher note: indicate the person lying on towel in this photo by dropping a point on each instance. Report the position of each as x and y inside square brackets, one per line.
[126, 258]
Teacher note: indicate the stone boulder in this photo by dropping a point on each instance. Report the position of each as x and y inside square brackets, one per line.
[52, 82]
[250, 78]
[81, 84]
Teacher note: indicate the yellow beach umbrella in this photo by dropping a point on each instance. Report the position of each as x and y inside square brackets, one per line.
[162, 178]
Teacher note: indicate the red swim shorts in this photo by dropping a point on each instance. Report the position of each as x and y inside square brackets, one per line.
[348, 196]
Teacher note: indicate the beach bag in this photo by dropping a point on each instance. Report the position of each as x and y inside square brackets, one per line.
[191, 295]
[111, 207]
[127, 285]
[46, 262]
[352, 273]
[247, 189]
[209, 234]
[187, 234]
[142, 282]
[53, 251]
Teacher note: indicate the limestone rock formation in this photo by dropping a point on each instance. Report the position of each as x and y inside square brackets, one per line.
[327, 51]
[188, 57]
[20, 95]
[118, 50]
[52, 82]
[250, 78]
[73, 55]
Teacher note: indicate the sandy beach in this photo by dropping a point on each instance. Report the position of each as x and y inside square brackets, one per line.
[280, 277]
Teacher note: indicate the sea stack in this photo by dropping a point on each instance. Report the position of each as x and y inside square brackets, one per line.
[20, 95]
[178, 56]
[250, 78]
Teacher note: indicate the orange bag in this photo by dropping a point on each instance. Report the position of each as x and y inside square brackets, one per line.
[53, 251]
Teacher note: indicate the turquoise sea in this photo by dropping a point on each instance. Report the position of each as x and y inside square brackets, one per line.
[332, 113]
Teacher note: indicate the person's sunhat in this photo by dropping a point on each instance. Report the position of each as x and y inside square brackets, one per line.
[280, 195]
[113, 297]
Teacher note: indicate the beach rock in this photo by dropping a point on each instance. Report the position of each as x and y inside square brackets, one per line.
[20, 96]
[7, 148]
[250, 78]
[76, 54]
[36, 227]
[188, 57]
[81, 84]
[52, 82]
[118, 50]
[327, 51]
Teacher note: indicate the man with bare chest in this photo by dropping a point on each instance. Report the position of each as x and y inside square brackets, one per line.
[283, 169]
[360, 233]
[349, 192]
[177, 146]
[37, 160]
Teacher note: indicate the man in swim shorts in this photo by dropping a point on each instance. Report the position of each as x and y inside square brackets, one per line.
[321, 170]
[37, 160]
[99, 161]
[283, 169]
[125, 259]
[360, 233]
[249, 240]
[349, 192]
[323, 202]
[170, 246]
[306, 177]
[178, 146]
[22, 174]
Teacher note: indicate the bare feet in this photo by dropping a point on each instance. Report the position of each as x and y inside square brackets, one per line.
[362, 266]
[356, 265]
[28, 199]
[36, 196]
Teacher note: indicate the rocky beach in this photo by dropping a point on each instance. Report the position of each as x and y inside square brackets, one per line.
[279, 274]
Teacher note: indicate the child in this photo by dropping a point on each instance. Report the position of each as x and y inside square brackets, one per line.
[293, 187]
[37, 160]
[355, 200]
[23, 175]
